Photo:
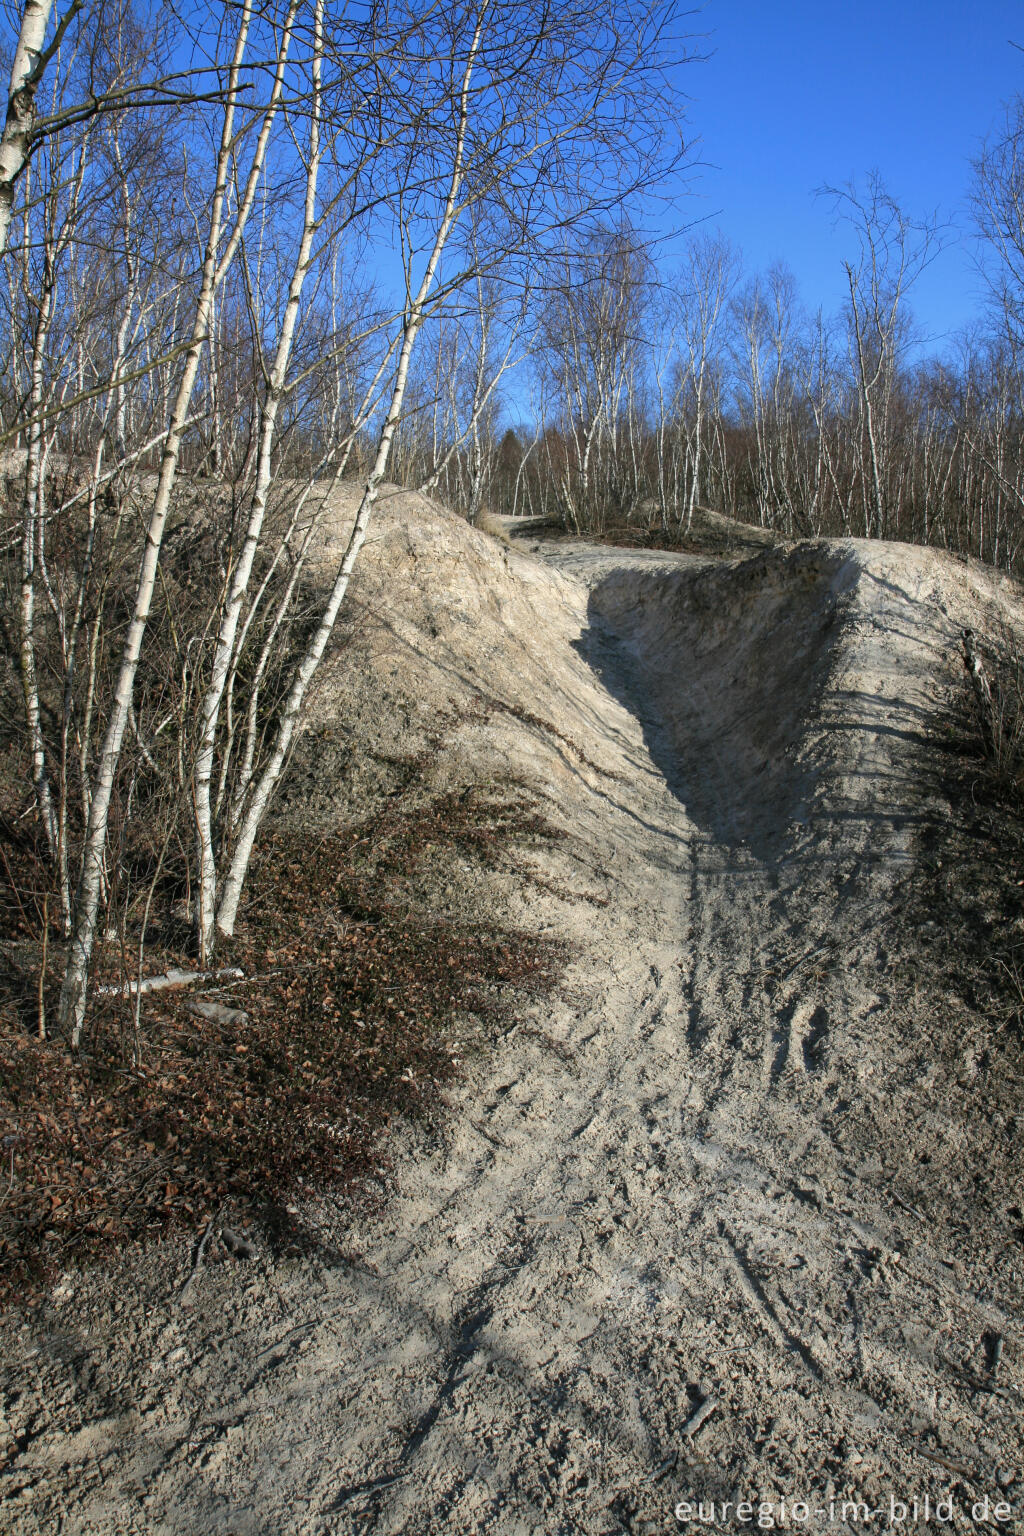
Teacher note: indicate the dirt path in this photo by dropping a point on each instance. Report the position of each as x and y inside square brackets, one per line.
[710, 1230]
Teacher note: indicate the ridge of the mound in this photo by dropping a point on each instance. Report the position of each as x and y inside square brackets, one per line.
[730, 1219]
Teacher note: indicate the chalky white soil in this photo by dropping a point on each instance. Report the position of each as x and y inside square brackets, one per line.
[735, 1217]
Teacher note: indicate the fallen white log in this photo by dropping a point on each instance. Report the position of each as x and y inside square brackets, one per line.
[172, 978]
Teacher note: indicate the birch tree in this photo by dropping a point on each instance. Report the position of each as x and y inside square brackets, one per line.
[221, 246]
[592, 335]
[526, 91]
[239, 583]
[706, 285]
[31, 56]
[997, 202]
[893, 251]
[200, 330]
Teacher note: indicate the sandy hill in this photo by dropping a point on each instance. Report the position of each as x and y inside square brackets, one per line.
[738, 1217]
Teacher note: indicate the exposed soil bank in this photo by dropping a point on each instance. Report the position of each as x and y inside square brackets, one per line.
[751, 1160]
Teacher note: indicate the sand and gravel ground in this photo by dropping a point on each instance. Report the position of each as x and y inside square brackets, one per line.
[736, 1218]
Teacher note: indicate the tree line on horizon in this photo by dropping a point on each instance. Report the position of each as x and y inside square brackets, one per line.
[653, 393]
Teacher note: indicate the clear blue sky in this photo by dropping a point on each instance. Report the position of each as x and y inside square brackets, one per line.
[797, 94]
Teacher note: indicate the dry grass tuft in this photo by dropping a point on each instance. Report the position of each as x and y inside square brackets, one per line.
[488, 523]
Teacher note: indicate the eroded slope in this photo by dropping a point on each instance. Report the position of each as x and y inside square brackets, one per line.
[736, 1165]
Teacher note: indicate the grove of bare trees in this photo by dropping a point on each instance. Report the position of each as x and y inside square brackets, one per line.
[254, 247]
[227, 233]
[648, 391]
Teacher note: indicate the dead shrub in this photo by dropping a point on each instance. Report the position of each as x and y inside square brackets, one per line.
[997, 691]
[486, 521]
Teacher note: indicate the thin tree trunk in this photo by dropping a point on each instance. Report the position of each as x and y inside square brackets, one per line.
[225, 648]
[33, 513]
[235, 878]
[73, 990]
[30, 58]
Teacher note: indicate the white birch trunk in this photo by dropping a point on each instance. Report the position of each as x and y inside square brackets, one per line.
[33, 512]
[225, 648]
[73, 990]
[234, 880]
[14, 141]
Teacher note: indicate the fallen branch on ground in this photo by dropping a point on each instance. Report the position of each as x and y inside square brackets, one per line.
[172, 978]
[699, 1417]
[198, 1260]
[975, 669]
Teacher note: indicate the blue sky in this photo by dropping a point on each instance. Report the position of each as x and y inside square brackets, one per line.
[798, 94]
